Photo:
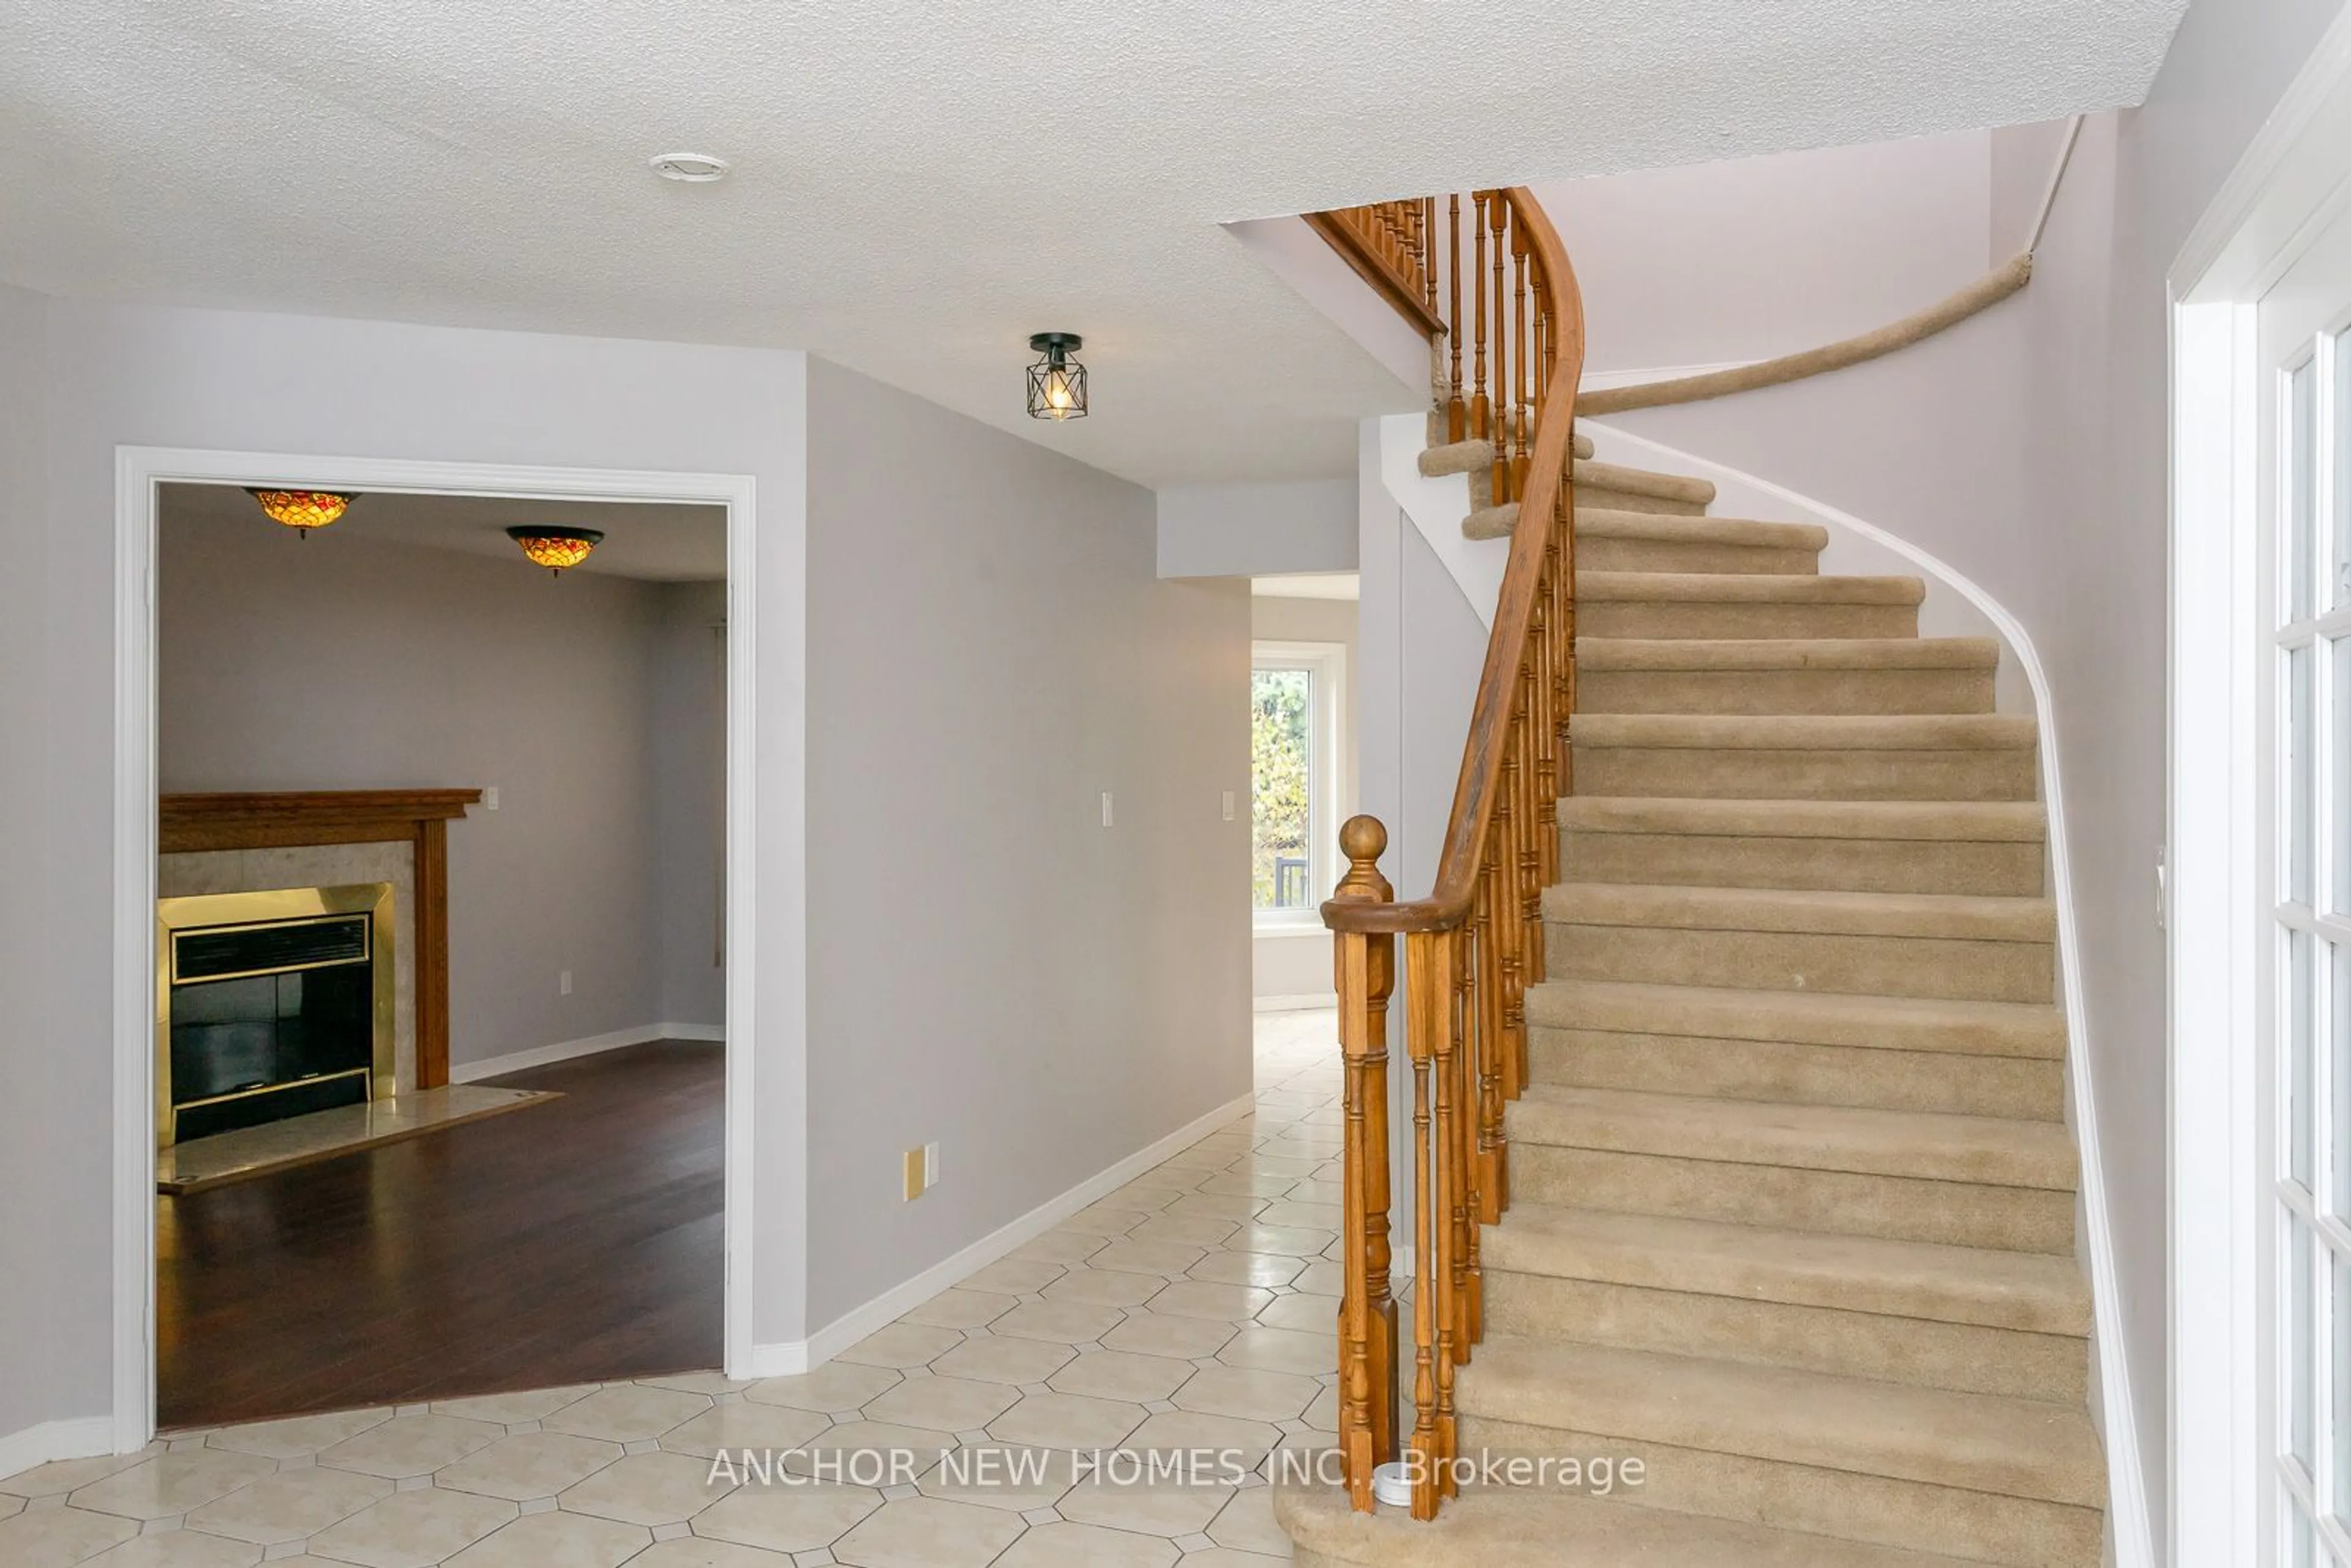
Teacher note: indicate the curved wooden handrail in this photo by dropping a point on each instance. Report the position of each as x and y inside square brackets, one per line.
[1449, 902]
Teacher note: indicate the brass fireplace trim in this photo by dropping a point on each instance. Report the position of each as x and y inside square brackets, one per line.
[275, 906]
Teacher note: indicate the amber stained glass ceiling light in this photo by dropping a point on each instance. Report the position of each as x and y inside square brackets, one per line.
[555, 548]
[302, 509]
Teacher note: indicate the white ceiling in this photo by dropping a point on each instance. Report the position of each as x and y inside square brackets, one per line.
[919, 186]
[653, 542]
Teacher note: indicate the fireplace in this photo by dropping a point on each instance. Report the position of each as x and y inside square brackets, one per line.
[271, 1005]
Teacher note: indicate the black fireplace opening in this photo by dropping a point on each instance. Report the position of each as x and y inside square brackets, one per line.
[270, 1020]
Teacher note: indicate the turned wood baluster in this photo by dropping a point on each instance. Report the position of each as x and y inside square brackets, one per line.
[1479, 409]
[1428, 254]
[1543, 695]
[1505, 414]
[1493, 1175]
[1367, 1316]
[1529, 886]
[1427, 1226]
[1457, 409]
[1434, 954]
[1469, 1140]
[1564, 643]
[1522, 412]
[1509, 911]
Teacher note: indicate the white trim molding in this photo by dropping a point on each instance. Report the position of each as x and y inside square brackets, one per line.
[1597, 380]
[83, 1440]
[140, 471]
[570, 1050]
[797, 1357]
[2293, 181]
[2132, 1527]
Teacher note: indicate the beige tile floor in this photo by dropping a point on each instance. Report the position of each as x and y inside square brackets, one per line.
[1193, 1308]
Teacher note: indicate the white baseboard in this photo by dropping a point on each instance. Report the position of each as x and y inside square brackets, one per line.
[565, 1050]
[82, 1440]
[793, 1356]
[1303, 1002]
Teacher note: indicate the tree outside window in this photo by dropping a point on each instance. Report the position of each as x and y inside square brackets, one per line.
[1281, 776]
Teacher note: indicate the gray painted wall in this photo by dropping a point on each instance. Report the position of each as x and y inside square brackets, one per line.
[989, 649]
[1752, 257]
[1257, 531]
[36, 1384]
[351, 663]
[252, 382]
[2029, 449]
[689, 748]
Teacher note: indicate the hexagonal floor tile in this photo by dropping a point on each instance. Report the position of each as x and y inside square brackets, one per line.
[801, 1517]
[628, 1412]
[292, 1505]
[943, 1403]
[1104, 1287]
[833, 1388]
[1087, 1546]
[528, 1464]
[1204, 1298]
[297, 1435]
[1122, 1374]
[173, 1482]
[546, 1540]
[1247, 1393]
[1066, 1421]
[1156, 1334]
[410, 1446]
[902, 1345]
[413, 1528]
[649, 1489]
[928, 1533]
[1063, 1322]
[993, 1358]
[1284, 1350]
[961, 1309]
[743, 1425]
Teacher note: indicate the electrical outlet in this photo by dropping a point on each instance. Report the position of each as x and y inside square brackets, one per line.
[1229, 805]
[563, 984]
[1105, 807]
[915, 1184]
[490, 797]
[930, 1166]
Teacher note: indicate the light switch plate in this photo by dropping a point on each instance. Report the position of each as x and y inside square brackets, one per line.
[915, 1183]
[1229, 805]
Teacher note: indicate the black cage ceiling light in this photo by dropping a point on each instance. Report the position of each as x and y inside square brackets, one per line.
[1057, 383]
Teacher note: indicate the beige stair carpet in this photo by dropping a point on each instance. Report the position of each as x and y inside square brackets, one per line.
[1793, 1215]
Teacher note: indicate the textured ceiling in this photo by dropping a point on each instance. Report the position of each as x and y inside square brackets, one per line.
[651, 541]
[921, 185]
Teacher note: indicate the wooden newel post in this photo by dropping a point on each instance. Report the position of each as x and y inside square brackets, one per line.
[1365, 967]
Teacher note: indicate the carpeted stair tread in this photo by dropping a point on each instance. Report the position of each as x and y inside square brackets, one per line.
[1617, 478]
[1601, 522]
[1922, 820]
[1473, 456]
[1956, 916]
[1763, 653]
[1977, 1442]
[1525, 1527]
[2031, 1029]
[1744, 588]
[1492, 522]
[1919, 1144]
[2030, 1291]
[1807, 732]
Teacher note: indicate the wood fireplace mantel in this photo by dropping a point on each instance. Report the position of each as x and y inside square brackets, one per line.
[292, 819]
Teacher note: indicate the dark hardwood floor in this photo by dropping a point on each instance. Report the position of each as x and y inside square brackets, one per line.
[575, 1241]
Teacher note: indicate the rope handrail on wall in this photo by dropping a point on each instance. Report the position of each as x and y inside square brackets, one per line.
[1940, 316]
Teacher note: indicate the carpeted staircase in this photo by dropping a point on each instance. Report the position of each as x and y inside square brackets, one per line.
[1792, 1201]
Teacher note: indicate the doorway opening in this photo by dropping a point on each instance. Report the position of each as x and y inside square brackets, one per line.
[1302, 777]
[439, 853]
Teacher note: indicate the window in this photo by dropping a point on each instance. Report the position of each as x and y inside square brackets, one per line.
[1294, 780]
[2309, 863]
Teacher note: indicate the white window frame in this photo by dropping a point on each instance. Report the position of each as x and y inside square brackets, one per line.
[1326, 663]
[2221, 919]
